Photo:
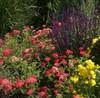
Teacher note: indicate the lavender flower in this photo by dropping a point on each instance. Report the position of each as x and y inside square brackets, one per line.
[76, 30]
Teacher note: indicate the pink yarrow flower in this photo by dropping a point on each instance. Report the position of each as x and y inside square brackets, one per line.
[82, 53]
[31, 80]
[6, 52]
[29, 91]
[6, 84]
[69, 51]
[36, 54]
[42, 94]
[55, 55]
[47, 59]
[81, 48]
[19, 83]
[55, 92]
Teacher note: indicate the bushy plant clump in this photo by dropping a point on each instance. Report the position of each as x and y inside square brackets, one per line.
[74, 30]
[95, 50]
[32, 68]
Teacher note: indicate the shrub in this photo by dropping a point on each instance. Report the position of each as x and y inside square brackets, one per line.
[33, 68]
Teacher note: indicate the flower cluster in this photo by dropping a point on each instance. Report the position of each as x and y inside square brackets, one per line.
[32, 67]
[95, 40]
[94, 50]
[85, 74]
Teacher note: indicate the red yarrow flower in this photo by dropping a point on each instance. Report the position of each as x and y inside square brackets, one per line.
[8, 87]
[55, 55]
[34, 41]
[25, 54]
[48, 72]
[6, 84]
[29, 91]
[26, 50]
[44, 87]
[36, 54]
[31, 80]
[69, 51]
[19, 83]
[42, 46]
[55, 92]
[81, 48]
[55, 69]
[39, 31]
[82, 53]
[42, 94]
[43, 64]
[62, 57]
[16, 31]
[56, 61]
[38, 89]
[64, 62]
[6, 52]
[47, 59]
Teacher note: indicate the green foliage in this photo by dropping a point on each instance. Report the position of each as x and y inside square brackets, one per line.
[16, 13]
[95, 51]
[88, 6]
[57, 6]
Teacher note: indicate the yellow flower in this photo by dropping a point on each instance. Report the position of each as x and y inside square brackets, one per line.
[93, 82]
[88, 50]
[95, 40]
[90, 64]
[75, 78]
[93, 75]
[97, 66]
[74, 91]
[86, 81]
[93, 57]
[82, 71]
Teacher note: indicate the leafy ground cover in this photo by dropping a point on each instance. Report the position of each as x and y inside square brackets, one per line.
[30, 67]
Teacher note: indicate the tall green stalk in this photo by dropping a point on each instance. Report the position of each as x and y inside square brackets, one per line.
[14, 14]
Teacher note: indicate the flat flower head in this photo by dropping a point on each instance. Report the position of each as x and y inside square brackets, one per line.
[55, 55]
[90, 64]
[55, 92]
[82, 53]
[6, 52]
[82, 71]
[69, 52]
[29, 91]
[31, 80]
[75, 78]
[47, 59]
[81, 48]
[93, 82]
[93, 74]
[95, 40]
[19, 83]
